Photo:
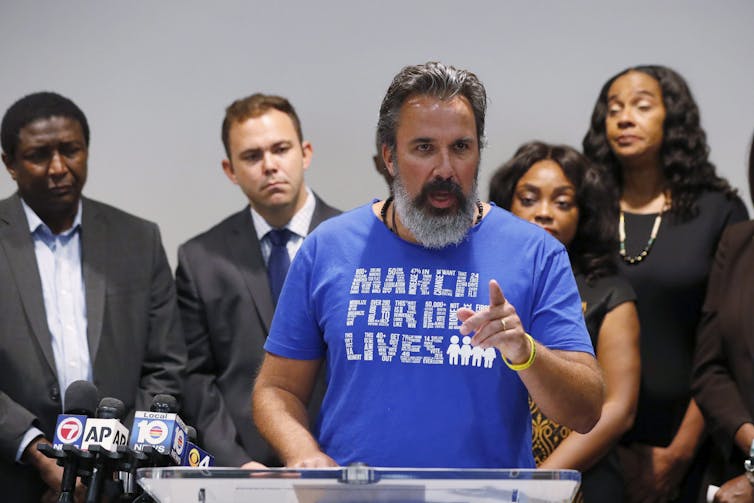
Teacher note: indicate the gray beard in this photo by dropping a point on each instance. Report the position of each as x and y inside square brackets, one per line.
[431, 230]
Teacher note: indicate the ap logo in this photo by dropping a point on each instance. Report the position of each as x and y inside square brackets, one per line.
[69, 430]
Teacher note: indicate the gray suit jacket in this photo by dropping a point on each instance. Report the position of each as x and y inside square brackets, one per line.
[133, 327]
[226, 310]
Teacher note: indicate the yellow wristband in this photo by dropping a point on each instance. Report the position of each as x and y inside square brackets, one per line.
[528, 363]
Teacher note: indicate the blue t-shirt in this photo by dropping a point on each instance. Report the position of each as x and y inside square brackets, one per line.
[405, 388]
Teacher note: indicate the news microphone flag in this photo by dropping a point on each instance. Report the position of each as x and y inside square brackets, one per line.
[80, 402]
[69, 430]
[106, 430]
[197, 457]
[106, 433]
[164, 432]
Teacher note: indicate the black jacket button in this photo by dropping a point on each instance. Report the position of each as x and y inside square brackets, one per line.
[54, 393]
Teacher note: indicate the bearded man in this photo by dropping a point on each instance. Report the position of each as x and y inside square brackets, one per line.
[389, 295]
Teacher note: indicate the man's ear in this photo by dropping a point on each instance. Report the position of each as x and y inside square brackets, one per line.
[387, 156]
[9, 165]
[229, 171]
[307, 150]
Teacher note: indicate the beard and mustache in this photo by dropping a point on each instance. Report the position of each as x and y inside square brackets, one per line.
[433, 227]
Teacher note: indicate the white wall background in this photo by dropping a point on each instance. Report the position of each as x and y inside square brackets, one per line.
[154, 78]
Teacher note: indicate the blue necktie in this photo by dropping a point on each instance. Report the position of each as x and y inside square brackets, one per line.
[279, 261]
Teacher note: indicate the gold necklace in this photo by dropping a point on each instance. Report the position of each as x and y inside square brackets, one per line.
[652, 236]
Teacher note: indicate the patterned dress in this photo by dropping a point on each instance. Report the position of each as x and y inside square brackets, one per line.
[602, 482]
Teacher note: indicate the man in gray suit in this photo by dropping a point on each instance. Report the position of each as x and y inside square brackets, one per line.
[86, 294]
[228, 278]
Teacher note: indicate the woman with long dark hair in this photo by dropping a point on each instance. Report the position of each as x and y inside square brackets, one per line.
[646, 134]
[556, 188]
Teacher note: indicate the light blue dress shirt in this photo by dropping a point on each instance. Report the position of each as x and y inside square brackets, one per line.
[59, 263]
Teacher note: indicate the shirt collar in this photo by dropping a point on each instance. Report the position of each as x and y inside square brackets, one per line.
[36, 223]
[299, 224]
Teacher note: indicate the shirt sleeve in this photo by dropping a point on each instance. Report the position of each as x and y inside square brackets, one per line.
[30, 435]
[557, 319]
[621, 292]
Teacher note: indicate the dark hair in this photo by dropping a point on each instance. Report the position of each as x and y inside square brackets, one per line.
[434, 79]
[684, 152]
[32, 107]
[254, 106]
[593, 249]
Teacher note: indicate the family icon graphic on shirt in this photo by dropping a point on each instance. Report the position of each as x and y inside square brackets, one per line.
[467, 355]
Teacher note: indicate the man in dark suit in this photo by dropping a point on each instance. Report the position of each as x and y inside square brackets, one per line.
[228, 278]
[86, 293]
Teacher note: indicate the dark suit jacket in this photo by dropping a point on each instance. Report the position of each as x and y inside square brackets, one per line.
[226, 310]
[133, 327]
[723, 379]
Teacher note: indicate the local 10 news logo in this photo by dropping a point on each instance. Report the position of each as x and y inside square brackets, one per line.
[69, 430]
[163, 432]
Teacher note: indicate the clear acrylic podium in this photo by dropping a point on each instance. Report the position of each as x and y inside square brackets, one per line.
[358, 484]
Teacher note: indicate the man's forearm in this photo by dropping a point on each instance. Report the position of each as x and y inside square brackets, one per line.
[567, 386]
[282, 420]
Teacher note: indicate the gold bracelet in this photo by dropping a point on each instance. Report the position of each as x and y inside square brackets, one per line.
[528, 363]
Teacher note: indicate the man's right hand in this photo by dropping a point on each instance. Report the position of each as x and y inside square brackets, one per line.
[49, 471]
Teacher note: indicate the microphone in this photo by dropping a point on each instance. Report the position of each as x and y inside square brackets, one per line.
[152, 437]
[106, 431]
[160, 432]
[164, 403]
[81, 402]
[102, 436]
[194, 455]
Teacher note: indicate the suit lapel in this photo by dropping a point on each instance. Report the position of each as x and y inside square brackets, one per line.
[94, 236]
[16, 240]
[321, 213]
[247, 254]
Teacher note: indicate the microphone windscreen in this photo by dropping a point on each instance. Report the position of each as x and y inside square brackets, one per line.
[164, 403]
[191, 433]
[110, 408]
[81, 398]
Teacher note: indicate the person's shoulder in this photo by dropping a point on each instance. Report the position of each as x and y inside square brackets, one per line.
[739, 234]
[719, 209]
[613, 282]
[521, 232]
[115, 216]
[324, 209]
[341, 221]
[8, 200]
[500, 217]
[222, 228]
[710, 199]
[9, 204]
